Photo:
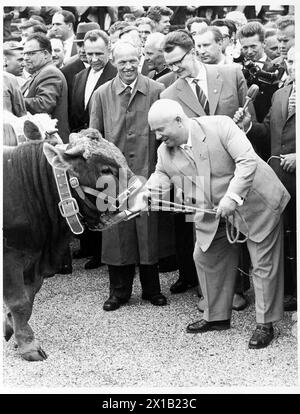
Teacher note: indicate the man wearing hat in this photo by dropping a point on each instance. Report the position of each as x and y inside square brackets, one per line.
[13, 53]
[78, 62]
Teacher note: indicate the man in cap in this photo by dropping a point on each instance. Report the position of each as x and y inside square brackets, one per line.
[13, 52]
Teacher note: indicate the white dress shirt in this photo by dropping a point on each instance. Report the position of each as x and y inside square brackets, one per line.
[91, 81]
[202, 81]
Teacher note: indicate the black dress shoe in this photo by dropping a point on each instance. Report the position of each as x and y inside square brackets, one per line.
[66, 270]
[261, 337]
[156, 300]
[239, 302]
[113, 303]
[93, 263]
[205, 326]
[179, 287]
[290, 303]
[80, 254]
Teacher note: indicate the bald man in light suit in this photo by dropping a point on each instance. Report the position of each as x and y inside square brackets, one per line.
[227, 176]
[226, 89]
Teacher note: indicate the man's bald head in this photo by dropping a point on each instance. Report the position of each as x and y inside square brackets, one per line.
[167, 118]
[154, 54]
[155, 40]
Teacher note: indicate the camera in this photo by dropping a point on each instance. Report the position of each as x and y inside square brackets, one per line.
[254, 74]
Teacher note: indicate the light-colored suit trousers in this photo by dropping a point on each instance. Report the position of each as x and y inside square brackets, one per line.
[216, 270]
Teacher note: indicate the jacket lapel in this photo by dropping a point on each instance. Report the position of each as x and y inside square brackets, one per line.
[214, 87]
[186, 95]
[285, 93]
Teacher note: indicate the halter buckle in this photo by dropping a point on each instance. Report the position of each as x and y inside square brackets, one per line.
[68, 207]
[74, 183]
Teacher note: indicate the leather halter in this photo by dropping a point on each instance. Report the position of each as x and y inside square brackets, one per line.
[68, 205]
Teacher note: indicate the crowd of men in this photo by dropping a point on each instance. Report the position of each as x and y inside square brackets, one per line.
[105, 68]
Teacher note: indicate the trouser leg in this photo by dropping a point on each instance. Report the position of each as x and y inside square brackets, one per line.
[290, 249]
[267, 273]
[216, 269]
[184, 235]
[149, 277]
[121, 280]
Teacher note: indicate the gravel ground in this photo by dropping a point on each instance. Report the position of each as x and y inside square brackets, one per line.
[141, 346]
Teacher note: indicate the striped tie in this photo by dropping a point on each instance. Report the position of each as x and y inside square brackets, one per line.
[201, 97]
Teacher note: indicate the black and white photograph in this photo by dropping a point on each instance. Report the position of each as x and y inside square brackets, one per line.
[149, 201]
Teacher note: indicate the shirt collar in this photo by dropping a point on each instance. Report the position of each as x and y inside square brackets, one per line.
[189, 140]
[132, 85]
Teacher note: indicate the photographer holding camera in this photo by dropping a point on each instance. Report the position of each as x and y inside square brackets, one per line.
[258, 69]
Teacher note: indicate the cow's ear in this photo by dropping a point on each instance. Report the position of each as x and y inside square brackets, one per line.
[55, 157]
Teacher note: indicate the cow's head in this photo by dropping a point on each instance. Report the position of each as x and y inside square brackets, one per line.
[98, 165]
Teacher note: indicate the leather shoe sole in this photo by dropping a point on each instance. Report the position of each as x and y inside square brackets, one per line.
[156, 300]
[262, 336]
[205, 326]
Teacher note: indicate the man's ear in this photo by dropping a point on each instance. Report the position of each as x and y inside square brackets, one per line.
[55, 157]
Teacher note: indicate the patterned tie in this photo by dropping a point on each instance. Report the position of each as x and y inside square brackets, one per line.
[291, 105]
[201, 97]
[126, 95]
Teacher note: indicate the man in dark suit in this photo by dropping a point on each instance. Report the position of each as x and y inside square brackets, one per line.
[278, 127]
[100, 70]
[225, 90]
[63, 23]
[46, 89]
[79, 62]
[252, 38]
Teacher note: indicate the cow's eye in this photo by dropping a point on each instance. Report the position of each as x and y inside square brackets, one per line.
[106, 170]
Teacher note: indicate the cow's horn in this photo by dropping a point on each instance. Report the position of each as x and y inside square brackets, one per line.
[75, 151]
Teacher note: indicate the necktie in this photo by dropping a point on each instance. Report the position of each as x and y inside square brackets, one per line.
[126, 94]
[25, 86]
[201, 97]
[291, 104]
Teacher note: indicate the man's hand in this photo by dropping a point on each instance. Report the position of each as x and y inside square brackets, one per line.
[242, 119]
[226, 207]
[139, 201]
[288, 162]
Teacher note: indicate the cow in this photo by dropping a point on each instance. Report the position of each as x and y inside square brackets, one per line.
[49, 189]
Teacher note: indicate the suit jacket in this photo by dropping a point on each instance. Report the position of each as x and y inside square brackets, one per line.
[223, 161]
[79, 115]
[135, 241]
[48, 93]
[227, 90]
[280, 130]
[69, 70]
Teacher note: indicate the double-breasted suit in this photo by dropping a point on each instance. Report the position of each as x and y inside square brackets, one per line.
[79, 114]
[225, 162]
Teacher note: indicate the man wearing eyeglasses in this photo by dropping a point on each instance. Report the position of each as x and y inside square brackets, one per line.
[46, 89]
[201, 90]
